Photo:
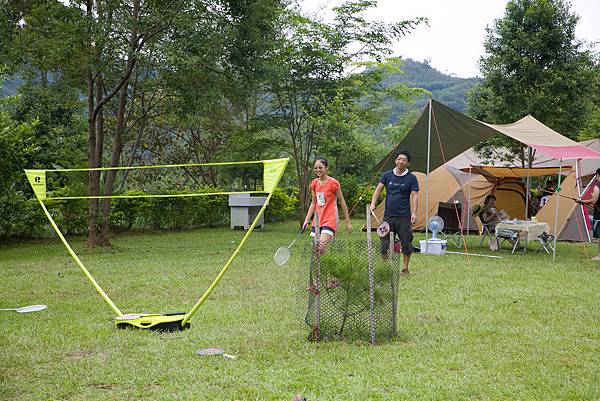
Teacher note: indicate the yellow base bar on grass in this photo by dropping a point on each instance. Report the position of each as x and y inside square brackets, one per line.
[157, 322]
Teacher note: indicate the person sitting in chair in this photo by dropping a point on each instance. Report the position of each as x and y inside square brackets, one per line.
[489, 216]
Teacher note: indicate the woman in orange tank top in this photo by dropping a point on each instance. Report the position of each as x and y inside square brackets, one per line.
[326, 192]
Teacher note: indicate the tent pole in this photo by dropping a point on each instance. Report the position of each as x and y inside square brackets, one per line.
[583, 192]
[580, 194]
[556, 213]
[469, 200]
[427, 179]
[528, 183]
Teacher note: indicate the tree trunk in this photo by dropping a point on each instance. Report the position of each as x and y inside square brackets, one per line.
[111, 175]
[117, 145]
[93, 182]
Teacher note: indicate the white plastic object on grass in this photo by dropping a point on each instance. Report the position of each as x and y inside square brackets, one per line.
[214, 351]
[27, 309]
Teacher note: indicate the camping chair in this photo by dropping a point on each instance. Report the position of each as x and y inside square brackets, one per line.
[546, 242]
[508, 235]
[486, 231]
[450, 213]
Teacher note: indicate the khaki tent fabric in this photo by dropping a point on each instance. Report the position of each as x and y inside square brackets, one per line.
[528, 130]
[513, 172]
[572, 225]
[509, 193]
[544, 139]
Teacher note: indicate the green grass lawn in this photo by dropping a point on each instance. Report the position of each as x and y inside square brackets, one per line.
[521, 327]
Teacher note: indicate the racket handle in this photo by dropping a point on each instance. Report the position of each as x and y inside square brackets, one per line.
[228, 356]
[374, 215]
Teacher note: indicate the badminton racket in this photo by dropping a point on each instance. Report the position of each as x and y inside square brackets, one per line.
[283, 253]
[27, 309]
[570, 197]
[214, 351]
[383, 229]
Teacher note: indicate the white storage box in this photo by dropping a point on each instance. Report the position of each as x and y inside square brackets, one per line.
[434, 246]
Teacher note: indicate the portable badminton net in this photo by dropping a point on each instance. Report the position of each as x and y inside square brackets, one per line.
[181, 180]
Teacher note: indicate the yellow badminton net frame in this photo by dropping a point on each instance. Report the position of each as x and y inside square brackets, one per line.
[272, 172]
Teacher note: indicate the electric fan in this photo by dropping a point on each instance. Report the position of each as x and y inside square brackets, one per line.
[434, 245]
[436, 225]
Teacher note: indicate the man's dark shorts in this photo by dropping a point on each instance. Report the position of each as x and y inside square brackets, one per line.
[402, 229]
[596, 228]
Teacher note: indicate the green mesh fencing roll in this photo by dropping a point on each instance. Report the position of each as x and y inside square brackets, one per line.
[350, 291]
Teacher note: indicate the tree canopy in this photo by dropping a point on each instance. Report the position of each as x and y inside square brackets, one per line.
[534, 64]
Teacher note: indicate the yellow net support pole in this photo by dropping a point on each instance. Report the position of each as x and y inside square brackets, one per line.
[37, 180]
[273, 172]
[79, 263]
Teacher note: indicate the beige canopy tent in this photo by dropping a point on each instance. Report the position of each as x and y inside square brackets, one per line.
[451, 133]
[500, 158]
[512, 172]
[470, 184]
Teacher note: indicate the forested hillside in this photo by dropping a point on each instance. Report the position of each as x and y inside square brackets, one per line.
[447, 89]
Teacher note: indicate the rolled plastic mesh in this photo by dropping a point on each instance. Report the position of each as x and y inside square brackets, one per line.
[340, 299]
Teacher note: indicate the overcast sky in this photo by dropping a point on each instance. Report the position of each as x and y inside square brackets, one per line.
[453, 42]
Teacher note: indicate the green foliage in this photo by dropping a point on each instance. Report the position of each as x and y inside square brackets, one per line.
[15, 146]
[16, 143]
[176, 212]
[126, 212]
[359, 195]
[351, 272]
[281, 206]
[534, 65]
[69, 214]
[21, 217]
[345, 292]
[591, 129]
[317, 96]
[58, 136]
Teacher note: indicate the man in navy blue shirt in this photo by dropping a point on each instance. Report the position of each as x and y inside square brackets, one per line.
[401, 197]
